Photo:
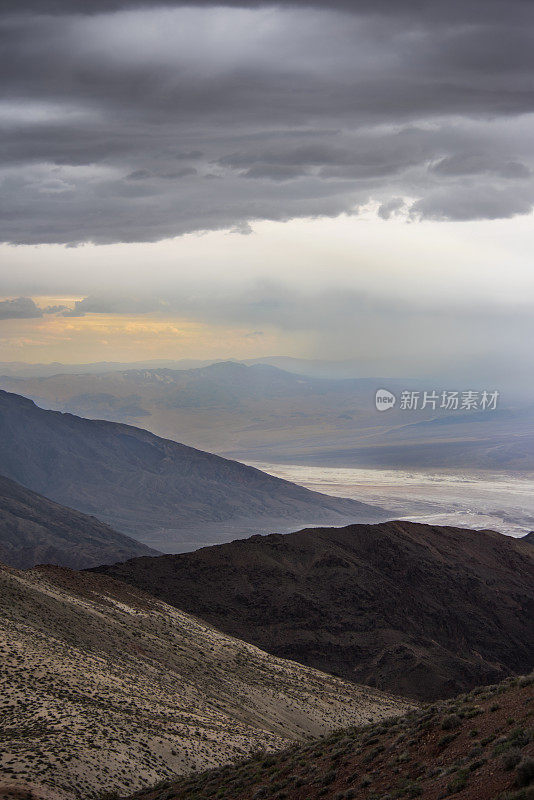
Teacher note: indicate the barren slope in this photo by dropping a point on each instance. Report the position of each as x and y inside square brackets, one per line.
[476, 747]
[105, 688]
[34, 530]
[421, 610]
[163, 493]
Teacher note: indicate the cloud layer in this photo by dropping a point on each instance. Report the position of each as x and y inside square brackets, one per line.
[143, 122]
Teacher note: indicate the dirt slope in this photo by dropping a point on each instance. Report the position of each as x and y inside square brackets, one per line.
[34, 530]
[476, 747]
[103, 688]
[419, 610]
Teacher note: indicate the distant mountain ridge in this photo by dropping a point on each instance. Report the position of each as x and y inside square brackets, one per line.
[259, 412]
[163, 493]
[421, 610]
[35, 530]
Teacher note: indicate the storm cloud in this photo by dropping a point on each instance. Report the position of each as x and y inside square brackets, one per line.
[141, 121]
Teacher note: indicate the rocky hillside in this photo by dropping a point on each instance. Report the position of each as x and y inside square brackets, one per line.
[34, 530]
[165, 494]
[104, 689]
[479, 746]
[420, 610]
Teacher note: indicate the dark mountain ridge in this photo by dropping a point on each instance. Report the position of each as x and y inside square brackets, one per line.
[423, 611]
[35, 530]
[163, 493]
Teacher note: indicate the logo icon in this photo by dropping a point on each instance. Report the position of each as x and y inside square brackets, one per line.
[384, 400]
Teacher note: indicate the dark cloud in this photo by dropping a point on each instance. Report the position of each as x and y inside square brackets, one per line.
[19, 308]
[480, 164]
[147, 123]
[436, 9]
[393, 206]
[469, 202]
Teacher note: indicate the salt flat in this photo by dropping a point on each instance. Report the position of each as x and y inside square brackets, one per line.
[502, 501]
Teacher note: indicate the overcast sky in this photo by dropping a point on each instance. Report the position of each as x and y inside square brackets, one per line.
[337, 179]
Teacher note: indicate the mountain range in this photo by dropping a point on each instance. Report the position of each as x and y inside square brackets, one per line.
[105, 689]
[129, 675]
[259, 412]
[170, 496]
[419, 610]
[35, 530]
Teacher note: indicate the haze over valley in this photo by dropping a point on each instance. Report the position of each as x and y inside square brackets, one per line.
[165, 494]
[461, 467]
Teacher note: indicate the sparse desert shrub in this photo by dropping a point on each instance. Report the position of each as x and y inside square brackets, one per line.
[329, 777]
[520, 737]
[450, 722]
[261, 792]
[447, 739]
[525, 771]
[511, 758]
[372, 754]
[414, 790]
[459, 782]
[522, 794]
[472, 712]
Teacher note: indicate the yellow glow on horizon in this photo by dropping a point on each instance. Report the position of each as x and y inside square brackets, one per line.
[114, 337]
[480, 266]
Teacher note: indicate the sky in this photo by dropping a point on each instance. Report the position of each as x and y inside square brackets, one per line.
[324, 180]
